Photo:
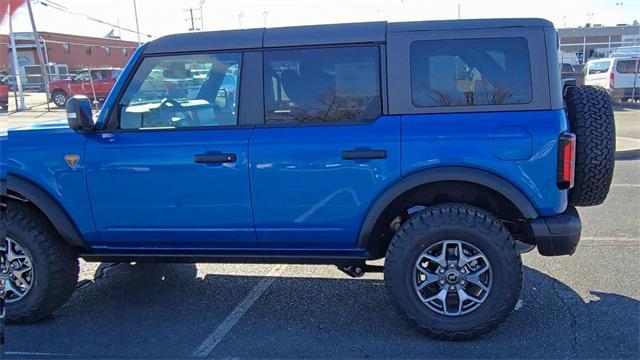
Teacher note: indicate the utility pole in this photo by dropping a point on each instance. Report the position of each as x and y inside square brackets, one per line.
[135, 11]
[201, 16]
[458, 10]
[36, 40]
[192, 19]
[16, 67]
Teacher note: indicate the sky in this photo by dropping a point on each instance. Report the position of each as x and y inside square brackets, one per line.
[161, 17]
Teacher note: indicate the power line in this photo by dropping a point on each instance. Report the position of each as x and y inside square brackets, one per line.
[62, 8]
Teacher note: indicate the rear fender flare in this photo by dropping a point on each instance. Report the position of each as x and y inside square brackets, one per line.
[444, 173]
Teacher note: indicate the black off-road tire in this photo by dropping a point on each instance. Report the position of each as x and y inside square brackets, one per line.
[591, 119]
[55, 264]
[59, 93]
[449, 222]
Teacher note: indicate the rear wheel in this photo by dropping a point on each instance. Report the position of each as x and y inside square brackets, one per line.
[59, 98]
[453, 271]
[41, 271]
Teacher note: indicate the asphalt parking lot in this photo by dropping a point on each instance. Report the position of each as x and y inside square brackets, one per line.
[583, 306]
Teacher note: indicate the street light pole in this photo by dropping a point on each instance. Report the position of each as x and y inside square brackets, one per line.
[36, 40]
[16, 66]
[135, 11]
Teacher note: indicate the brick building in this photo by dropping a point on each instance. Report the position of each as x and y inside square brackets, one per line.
[77, 52]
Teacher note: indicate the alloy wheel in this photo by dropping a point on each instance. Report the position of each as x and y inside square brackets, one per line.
[17, 272]
[452, 277]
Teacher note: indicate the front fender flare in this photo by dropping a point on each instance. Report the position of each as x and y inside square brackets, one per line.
[444, 173]
[51, 209]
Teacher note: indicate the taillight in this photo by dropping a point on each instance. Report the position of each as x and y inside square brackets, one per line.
[566, 160]
[612, 78]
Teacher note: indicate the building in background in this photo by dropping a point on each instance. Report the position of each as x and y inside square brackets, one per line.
[76, 52]
[596, 41]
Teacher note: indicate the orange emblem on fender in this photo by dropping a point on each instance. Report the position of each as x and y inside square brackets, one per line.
[72, 160]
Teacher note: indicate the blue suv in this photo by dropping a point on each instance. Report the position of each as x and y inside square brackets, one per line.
[445, 147]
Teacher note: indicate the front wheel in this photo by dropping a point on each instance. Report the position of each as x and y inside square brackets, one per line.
[40, 270]
[453, 271]
[59, 98]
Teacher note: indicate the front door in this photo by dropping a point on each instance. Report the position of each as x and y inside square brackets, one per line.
[173, 173]
[325, 152]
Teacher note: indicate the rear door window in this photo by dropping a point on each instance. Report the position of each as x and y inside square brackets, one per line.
[324, 85]
[469, 72]
[627, 67]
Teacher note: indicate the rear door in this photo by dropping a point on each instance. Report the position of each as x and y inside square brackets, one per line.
[627, 76]
[172, 172]
[324, 151]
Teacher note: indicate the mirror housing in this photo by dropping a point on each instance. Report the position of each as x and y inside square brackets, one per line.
[79, 113]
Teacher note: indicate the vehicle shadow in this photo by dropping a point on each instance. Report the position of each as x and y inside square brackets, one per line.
[166, 311]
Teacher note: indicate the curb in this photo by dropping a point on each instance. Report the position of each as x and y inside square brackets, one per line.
[631, 154]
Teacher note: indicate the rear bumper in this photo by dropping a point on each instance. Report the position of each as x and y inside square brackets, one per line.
[557, 235]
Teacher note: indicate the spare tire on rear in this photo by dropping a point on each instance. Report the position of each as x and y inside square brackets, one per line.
[591, 119]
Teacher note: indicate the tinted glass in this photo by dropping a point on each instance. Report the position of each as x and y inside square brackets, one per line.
[182, 91]
[325, 85]
[83, 76]
[598, 67]
[627, 67]
[470, 72]
[567, 68]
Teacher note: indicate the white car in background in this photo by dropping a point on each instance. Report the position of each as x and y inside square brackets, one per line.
[618, 75]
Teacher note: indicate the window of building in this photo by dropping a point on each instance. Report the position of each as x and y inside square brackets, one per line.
[598, 67]
[107, 50]
[181, 91]
[66, 47]
[327, 85]
[87, 49]
[125, 51]
[470, 72]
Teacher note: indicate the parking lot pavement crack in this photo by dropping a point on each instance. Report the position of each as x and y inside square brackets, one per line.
[573, 319]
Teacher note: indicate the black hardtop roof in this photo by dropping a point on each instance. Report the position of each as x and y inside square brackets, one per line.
[366, 32]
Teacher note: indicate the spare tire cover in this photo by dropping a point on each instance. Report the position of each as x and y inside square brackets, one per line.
[591, 119]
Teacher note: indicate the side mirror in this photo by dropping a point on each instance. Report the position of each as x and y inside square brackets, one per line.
[79, 113]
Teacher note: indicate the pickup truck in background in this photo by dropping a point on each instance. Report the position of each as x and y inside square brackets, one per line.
[93, 83]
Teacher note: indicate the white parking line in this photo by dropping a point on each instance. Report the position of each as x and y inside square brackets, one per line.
[610, 238]
[625, 185]
[214, 339]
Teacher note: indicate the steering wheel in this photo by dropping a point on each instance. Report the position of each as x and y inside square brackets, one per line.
[176, 108]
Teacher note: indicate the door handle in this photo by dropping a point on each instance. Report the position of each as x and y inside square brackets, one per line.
[364, 154]
[214, 158]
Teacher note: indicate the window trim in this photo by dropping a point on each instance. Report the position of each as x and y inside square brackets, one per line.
[475, 106]
[113, 121]
[382, 79]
